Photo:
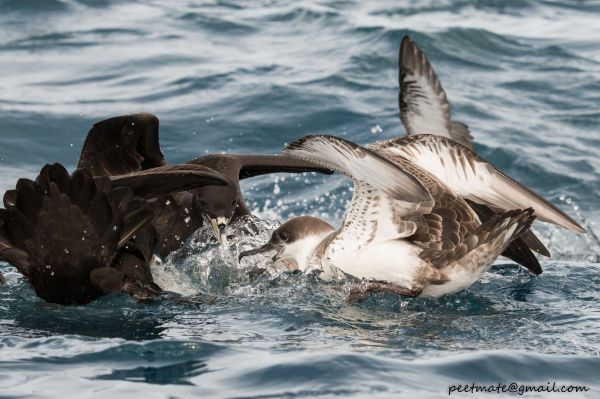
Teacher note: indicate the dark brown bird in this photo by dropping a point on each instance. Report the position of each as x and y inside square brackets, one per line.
[130, 143]
[76, 237]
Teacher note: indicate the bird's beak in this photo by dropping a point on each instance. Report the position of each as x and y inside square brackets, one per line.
[218, 226]
[269, 246]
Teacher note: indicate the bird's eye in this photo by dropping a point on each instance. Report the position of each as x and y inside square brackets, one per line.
[234, 203]
[284, 236]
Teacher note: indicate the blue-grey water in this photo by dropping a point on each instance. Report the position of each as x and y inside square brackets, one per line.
[248, 77]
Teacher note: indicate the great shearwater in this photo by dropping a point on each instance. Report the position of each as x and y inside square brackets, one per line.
[406, 231]
[76, 237]
[425, 109]
[130, 143]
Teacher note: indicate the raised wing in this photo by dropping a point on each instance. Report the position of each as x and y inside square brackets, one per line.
[472, 177]
[122, 144]
[384, 194]
[424, 106]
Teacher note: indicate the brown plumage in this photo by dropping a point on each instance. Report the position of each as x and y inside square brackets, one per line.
[76, 237]
[122, 144]
[130, 143]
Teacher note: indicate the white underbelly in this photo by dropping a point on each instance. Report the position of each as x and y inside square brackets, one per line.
[459, 280]
[394, 261]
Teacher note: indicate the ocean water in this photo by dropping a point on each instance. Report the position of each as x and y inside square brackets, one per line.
[243, 77]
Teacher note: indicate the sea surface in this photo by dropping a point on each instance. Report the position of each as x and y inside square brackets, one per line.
[247, 77]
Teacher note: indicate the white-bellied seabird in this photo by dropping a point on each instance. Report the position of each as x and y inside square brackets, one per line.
[130, 143]
[76, 237]
[405, 230]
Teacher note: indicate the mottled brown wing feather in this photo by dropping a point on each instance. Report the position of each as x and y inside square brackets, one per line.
[450, 222]
[518, 250]
[485, 233]
[472, 177]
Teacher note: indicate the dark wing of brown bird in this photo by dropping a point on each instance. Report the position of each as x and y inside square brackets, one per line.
[123, 144]
[168, 179]
[240, 166]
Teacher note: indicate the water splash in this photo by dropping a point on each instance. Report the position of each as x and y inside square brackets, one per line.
[202, 265]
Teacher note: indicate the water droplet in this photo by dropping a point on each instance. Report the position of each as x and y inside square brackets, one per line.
[66, 251]
[167, 202]
[52, 273]
[376, 129]
[48, 267]
[114, 228]
[187, 220]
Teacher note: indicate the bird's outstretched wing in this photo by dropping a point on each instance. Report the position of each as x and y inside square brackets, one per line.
[168, 179]
[242, 166]
[424, 106]
[384, 197]
[472, 177]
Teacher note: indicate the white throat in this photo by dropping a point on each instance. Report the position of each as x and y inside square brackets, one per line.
[301, 251]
